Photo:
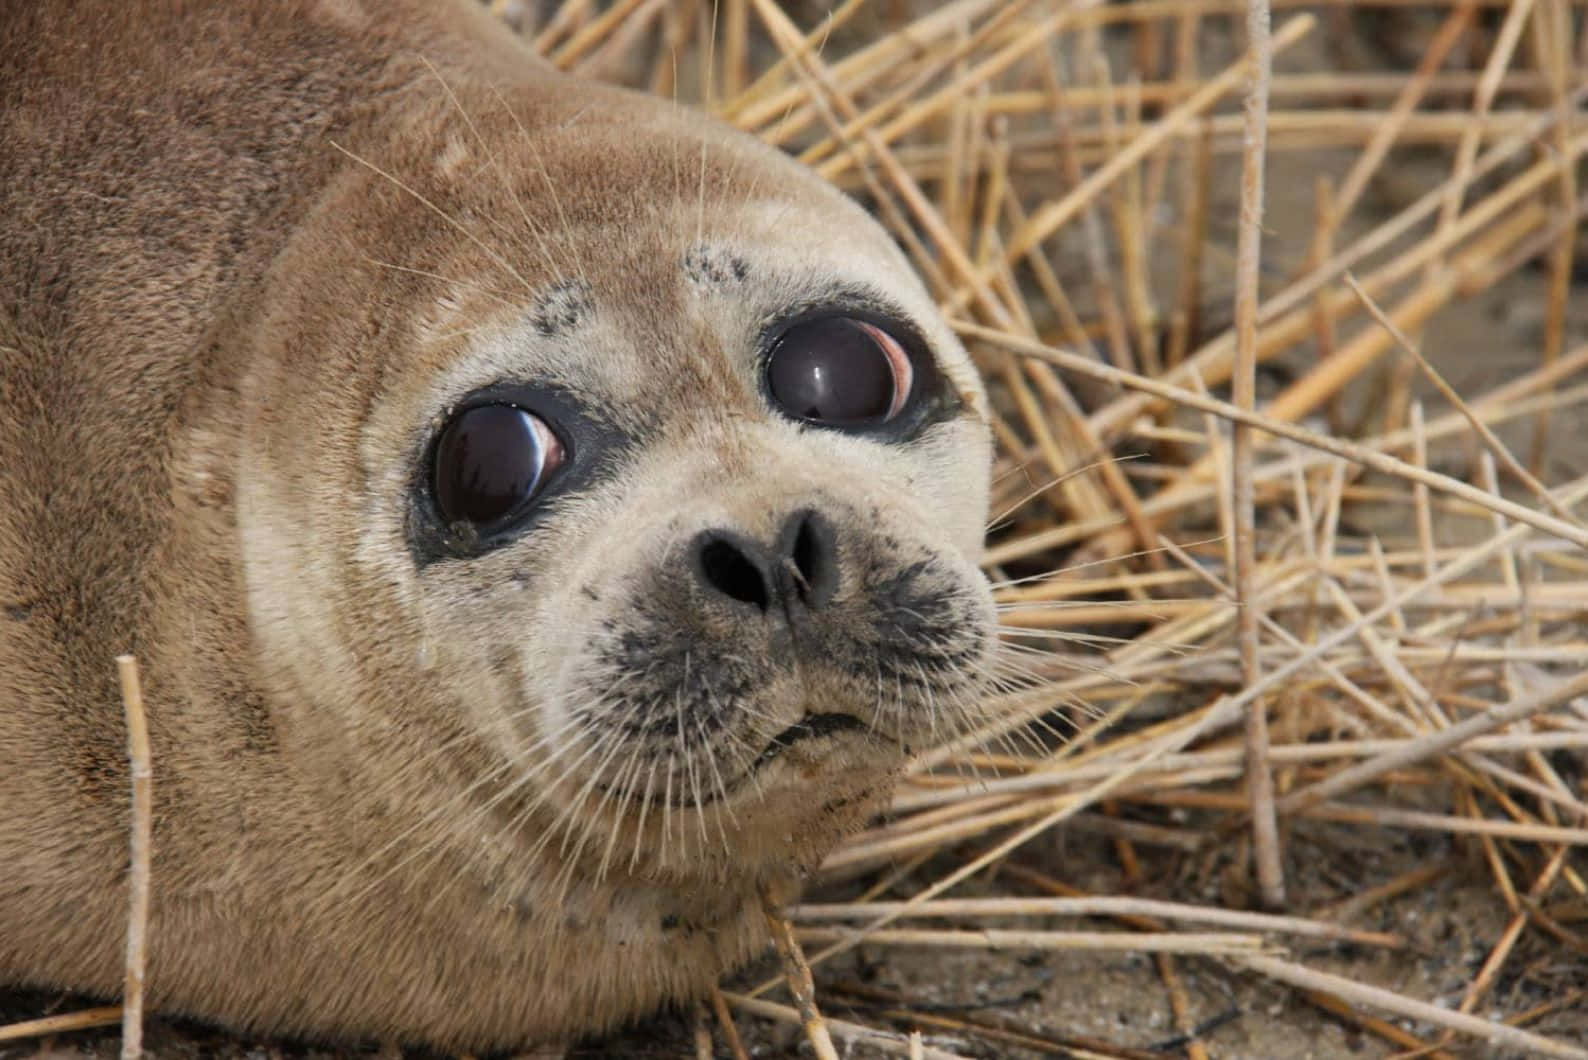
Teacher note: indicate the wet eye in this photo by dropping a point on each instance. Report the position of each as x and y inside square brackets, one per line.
[490, 460]
[839, 372]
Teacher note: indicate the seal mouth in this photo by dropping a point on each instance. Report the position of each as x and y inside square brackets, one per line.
[807, 728]
[810, 727]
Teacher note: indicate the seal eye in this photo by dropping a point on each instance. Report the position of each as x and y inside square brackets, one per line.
[490, 460]
[839, 372]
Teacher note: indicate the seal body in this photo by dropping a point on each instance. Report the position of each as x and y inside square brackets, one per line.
[445, 753]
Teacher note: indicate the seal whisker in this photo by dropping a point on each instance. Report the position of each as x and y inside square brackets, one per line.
[489, 292]
[667, 806]
[369, 860]
[457, 333]
[562, 812]
[462, 230]
[722, 792]
[583, 828]
[645, 807]
[931, 700]
[551, 189]
[569, 817]
[998, 521]
[490, 154]
[1049, 659]
[627, 776]
[934, 711]
[710, 72]
[745, 763]
[492, 157]
[573, 811]
[689, 761]
[435, 845]
[446, 810]
[375, 882]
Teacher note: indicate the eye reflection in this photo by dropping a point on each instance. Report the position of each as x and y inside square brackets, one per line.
[490, 461]
[839, 372]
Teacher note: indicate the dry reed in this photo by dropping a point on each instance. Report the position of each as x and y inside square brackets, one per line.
[139, 838]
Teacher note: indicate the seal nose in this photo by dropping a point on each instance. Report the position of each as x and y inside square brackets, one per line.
[800, 571]
[733, 566]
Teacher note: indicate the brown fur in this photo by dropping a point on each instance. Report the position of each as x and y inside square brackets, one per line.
[249, 252]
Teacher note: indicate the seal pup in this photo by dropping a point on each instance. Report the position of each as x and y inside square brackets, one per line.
[546, 520]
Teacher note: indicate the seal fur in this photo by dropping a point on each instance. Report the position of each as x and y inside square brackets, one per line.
[252, 256]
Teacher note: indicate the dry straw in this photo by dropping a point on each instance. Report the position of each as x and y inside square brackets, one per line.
[1082, 187]
[139, 831]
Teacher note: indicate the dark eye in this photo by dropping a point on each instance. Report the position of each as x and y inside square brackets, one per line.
[490, 460]
[839, 372]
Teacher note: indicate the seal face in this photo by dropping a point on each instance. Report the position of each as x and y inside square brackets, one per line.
[547, 520]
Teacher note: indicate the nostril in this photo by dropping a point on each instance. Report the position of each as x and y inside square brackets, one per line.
[814, 552]
[725, 568]
[806, 558]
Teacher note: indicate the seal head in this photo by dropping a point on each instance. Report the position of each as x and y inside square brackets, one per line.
[556, 524]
